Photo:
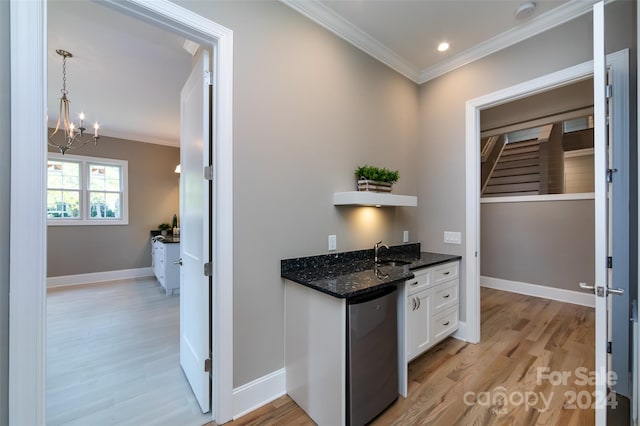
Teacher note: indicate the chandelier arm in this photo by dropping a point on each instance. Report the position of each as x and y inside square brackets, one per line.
[59, 115]
[67, 122]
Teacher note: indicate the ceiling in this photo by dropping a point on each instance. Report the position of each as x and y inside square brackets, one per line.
[127, 74]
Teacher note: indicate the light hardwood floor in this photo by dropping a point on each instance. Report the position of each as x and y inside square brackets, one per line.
[113, 357]
[499, 378]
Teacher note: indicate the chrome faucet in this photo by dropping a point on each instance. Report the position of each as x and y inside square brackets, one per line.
[376, 249]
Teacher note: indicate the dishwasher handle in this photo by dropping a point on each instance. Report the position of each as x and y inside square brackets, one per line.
[372, 295]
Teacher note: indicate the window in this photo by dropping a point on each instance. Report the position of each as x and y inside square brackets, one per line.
[86, 190]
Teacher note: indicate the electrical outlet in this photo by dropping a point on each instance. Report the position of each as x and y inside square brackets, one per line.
[333, 243]
[405, 236]
[452, 237]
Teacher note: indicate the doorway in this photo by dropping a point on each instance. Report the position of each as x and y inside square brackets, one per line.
[618, 63]
[473, 131]
[28, 241]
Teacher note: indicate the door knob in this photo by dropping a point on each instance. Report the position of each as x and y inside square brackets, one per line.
[599, 290]
[616, 291]
[178, 262]
[585, 286]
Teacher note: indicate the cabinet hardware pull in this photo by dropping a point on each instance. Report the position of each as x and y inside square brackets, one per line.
[413, 304]
[414, 283]
[419, 302]
[446, 296]
[445, 323]
[446, 273]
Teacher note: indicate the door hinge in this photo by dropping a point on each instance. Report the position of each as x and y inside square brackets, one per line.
[609, 346]
[208, 78]
[610, 262]
[208, 173]
[207, 365]
[610, 173]
[609, 91]
[208, 269]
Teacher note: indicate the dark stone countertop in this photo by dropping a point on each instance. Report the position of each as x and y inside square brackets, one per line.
[349, 274]
[168, 239]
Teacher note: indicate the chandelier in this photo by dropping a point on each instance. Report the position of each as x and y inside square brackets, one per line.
[74, 136]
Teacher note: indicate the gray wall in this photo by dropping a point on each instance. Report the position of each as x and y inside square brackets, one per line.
[308, 109]
[5, 197]
[544, 243]
[441, 150]
[153, 199]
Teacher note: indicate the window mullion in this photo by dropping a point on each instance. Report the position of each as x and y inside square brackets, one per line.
[84, 193]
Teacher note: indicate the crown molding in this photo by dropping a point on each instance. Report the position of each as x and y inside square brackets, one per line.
[131, 136]
[555, 17]
[344, 29]
[335, 23]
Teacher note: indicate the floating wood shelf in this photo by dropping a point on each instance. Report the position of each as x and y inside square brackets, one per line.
[366, 198]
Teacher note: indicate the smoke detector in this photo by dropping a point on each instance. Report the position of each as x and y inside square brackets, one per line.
[525, 10]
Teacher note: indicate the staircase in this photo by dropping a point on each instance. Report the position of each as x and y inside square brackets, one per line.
[517, 171]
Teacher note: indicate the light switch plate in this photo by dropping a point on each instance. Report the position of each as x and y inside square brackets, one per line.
[452, 237]
[405, 236]
[333, 243]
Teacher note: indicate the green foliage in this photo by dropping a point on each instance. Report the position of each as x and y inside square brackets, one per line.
[377, 174]
[164, 226]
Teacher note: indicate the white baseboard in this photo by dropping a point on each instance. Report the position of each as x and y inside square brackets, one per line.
[561, 295]
[259, 392]
[98, 277]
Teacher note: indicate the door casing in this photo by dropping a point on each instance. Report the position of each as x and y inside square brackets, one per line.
[470, 329]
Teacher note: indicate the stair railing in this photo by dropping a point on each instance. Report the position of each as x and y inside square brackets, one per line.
[489, 159]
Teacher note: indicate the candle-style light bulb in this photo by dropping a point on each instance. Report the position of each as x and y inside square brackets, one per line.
[81, 116]
[96, 126]
[71, 129]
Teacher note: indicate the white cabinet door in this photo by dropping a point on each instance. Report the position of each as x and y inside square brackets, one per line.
[418, 327]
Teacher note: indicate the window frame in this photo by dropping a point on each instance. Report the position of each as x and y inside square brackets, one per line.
[84, 199]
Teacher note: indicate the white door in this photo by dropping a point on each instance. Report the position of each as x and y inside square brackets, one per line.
[194, 232]
[602, 220]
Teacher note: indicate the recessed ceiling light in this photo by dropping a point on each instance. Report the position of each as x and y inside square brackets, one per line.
[443, 46]
[525, 10]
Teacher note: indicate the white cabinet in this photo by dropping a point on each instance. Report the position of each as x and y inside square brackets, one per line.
[164, 258]
[431, 307]
[418, 323]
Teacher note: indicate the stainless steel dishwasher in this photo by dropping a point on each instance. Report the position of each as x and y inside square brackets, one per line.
[372, 354]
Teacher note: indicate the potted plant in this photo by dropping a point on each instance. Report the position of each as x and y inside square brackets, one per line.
[378, 179]
[164, 228]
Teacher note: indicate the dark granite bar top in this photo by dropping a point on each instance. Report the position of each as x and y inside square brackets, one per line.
[348, 274]
[167, 239]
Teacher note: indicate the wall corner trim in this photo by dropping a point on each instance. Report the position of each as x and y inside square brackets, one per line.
[536, 290]
[462, 332]
[259, 392]
[98, 277]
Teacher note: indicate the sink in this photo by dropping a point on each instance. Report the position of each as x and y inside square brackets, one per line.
[393, 262]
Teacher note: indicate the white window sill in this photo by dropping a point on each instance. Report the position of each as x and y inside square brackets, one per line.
[535, 198]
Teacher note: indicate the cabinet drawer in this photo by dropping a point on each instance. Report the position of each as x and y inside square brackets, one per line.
[445, 272]
[444, 324]
[422, 280]
[445, 295]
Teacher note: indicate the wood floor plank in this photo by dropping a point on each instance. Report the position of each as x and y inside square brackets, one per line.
[113, 357]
